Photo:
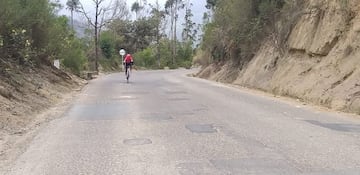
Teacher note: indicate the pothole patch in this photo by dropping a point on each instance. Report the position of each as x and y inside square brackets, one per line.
[137, 141]
[183, 113]
[158, 118]
[175, 92]
[124, 97]
[136, 93]
[200, 109]
[255, 166]
[178, 99]
[204, 128]
[193, 168]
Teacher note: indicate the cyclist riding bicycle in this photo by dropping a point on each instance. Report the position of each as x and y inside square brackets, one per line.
[128, 62]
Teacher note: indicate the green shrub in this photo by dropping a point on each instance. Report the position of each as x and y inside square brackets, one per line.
[110, 64]
[74, 58]
[238, 28]
[145, 58]
[107, 44]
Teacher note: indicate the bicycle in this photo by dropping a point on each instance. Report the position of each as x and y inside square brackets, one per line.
[127, 72]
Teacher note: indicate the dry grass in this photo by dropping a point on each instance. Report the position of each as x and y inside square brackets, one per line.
[5, 93]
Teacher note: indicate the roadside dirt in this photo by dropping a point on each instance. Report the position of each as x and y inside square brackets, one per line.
[30, 97]
[319, 63]
[299, 103]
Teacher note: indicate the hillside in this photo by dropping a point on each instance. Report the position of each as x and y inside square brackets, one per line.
[319, 63]
[27, 95]
[25, 91]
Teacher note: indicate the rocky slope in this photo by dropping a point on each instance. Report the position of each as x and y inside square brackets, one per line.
[321, 63]
[27, 97]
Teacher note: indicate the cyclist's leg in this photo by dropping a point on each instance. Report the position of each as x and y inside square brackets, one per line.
[127, 69]
[130, 69]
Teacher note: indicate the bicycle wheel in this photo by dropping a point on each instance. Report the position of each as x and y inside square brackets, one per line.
[127, 75]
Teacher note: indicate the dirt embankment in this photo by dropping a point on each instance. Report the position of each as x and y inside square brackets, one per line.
[321, 63]
[26, 94]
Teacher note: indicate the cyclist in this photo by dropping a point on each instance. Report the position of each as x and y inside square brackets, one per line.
[128, 62]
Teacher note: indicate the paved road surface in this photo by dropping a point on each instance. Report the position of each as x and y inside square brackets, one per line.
[164, 123]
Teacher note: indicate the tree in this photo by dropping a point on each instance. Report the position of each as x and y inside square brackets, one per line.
[172, 7]
[33, 34]
[73, 6]
[189, 31]
[107, 44]
[103, 16]
[136, 35]
[158, 16]
[169, 8]
[136, 8]
[211, 4]
[123, 29]
[238, 28]
[144, 32]
[24, 28]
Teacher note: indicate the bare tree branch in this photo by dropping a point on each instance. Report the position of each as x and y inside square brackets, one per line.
[82, 10]
[103, 16]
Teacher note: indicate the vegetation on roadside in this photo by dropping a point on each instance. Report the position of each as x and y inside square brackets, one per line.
[150, 38]
[234, 30]
[32, 34]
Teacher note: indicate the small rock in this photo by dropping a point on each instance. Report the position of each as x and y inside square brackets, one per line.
[19, 132]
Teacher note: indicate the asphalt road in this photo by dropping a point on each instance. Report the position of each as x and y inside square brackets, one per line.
[165, 123]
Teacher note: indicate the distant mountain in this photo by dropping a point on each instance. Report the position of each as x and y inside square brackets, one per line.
[80, 27]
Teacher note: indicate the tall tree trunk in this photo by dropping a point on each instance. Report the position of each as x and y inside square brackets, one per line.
[72, 19]
[158, 22]
[172, 34]
[96, 38]
[187, 26]
[175, 38]
[158, 44]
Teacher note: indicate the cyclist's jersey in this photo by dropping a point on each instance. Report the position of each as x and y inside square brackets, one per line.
[128, 59]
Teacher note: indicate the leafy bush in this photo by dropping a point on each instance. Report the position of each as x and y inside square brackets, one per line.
[238, 28]
[32, 32]
[107, 44]
[145, 58]
[149, 58]
[74, 58]
[24, 27]
[185, 55]
[110, 64]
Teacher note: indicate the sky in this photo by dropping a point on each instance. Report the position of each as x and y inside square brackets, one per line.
[198, 7]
